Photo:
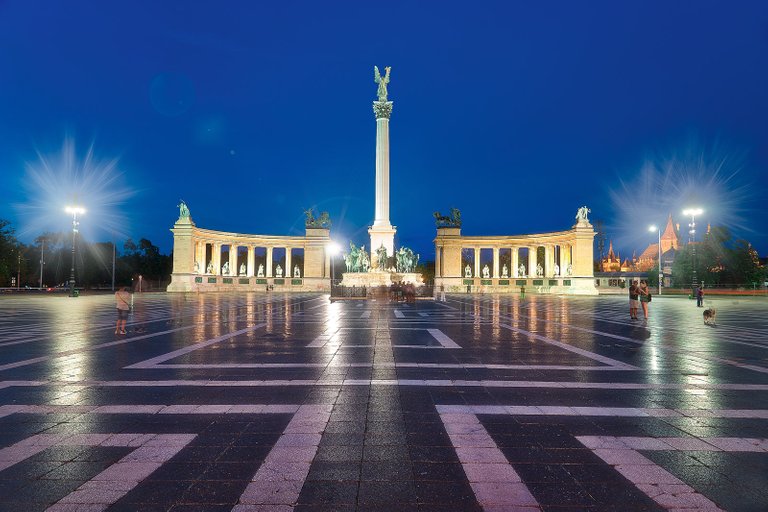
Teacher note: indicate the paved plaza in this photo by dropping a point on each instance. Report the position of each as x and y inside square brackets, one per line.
[271, 402]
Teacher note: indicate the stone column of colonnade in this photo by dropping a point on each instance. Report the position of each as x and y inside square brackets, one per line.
[477, 262]
[515, 262]
[232, 259]
[287, 272]
[495, 262]
[530, 269]
[269, 262]
[217, 258]
[249, 266]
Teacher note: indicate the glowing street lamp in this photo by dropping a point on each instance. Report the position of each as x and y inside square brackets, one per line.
[693, 212]
[74, 210]
[333, 249]
[661, 274]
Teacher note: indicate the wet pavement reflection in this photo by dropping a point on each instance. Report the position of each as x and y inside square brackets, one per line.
[290, 402]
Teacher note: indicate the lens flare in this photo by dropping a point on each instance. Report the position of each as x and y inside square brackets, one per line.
[62, 178]
[696, 176]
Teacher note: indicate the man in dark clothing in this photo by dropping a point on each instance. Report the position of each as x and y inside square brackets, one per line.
[634, 300]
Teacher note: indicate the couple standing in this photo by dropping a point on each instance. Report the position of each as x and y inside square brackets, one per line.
[639, 294]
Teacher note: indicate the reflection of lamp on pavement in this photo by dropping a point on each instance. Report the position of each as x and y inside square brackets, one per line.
[693, 212]
[661, 272]
[333, 249]
[140, 279]
[74, 210]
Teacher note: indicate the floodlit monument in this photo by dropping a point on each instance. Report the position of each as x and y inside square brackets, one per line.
[383, 265]
[555, 263]
[207, 260]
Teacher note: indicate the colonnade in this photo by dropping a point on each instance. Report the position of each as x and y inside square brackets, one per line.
[198, 265]
[557, 261]
[214, 265]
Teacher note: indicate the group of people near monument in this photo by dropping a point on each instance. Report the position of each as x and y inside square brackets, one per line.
[402, 292]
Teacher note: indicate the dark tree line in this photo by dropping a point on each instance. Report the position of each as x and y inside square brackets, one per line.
[719, 260]
[93, 261]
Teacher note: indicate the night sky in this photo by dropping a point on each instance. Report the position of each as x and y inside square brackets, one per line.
[515, 112]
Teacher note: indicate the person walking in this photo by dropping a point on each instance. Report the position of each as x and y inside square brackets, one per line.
[634, 302]
[645, 297]
[123, 304]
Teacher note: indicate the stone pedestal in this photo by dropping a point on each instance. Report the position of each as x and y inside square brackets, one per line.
[379, 278]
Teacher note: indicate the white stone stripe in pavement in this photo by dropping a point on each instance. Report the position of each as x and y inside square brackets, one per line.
[399, 314]
[366, 314]
[104, 489]
[186, 350]
[444, 340]
[692, 386]
[623, 453]
[279, 479]
[467, 366]
[571, 348]
[514, 410]
[496, 484]
[563, 410]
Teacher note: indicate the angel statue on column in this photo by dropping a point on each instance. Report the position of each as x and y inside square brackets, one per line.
[382, 81]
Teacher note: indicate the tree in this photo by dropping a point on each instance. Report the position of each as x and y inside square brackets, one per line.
[745, 264]
[9, 251]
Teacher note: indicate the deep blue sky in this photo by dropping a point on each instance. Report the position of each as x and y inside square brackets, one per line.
[515, 112]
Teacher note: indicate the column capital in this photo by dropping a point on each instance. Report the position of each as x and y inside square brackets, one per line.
[382, 109]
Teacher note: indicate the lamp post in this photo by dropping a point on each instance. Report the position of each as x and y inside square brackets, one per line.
[74, 210]
[693, 212]
[661, 273]
[333, 249]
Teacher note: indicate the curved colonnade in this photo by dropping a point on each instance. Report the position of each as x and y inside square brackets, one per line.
[208, 260]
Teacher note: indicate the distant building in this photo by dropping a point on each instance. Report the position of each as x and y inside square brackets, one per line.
[639, 265]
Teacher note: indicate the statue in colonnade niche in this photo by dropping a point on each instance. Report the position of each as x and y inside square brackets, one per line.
[521, 270]
[209, 268]
[486, 272]
[225, 269]
[196, 268]
[260, 272]
[557, 269]
[242, 269]
[296, 272]
[504, 271]
[539, 270]
[467, 271]
[569, 269]
[278, 271]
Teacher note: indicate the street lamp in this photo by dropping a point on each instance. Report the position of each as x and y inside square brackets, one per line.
[333, 249]
[661, 274]
[74, 210]
[693, 212]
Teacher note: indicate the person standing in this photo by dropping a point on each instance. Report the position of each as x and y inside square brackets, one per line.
[123, 304]
[700, 297]
[645, 297]
[634, 303]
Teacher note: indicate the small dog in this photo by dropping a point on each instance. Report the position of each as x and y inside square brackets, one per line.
[709, 316]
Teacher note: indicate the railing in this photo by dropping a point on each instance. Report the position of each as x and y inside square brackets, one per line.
[397, 294]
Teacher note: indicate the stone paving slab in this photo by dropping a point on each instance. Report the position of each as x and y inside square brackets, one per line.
[270, 402]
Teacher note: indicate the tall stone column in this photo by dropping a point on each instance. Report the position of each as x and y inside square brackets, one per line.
[495, 274]
[269, 262]
[548, 258]
[382, 232]
[477, 262]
